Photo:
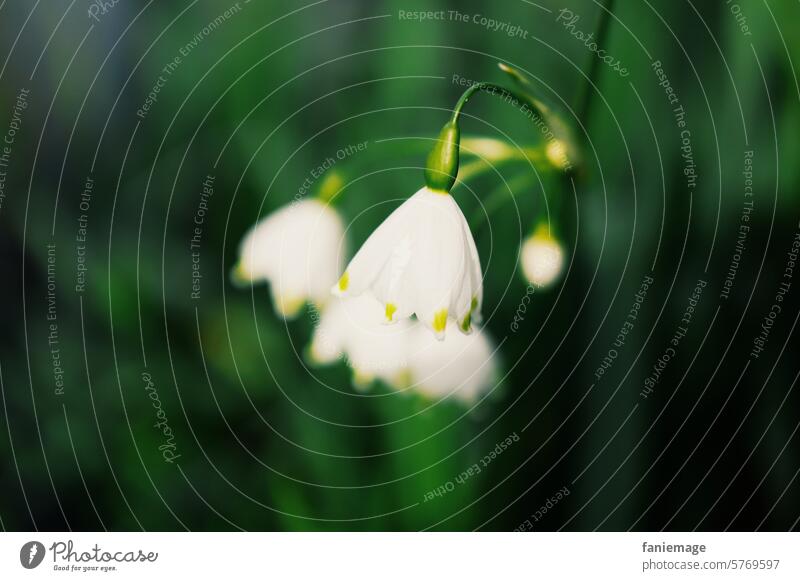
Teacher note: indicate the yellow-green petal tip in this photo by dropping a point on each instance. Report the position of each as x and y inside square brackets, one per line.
[466, 324]
[344, 282]
[440, 320]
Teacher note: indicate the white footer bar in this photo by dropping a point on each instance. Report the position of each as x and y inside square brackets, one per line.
[402, 556]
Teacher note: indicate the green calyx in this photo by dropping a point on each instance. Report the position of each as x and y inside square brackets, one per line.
[441, 168]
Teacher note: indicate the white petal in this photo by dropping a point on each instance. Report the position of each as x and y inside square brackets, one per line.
[354, 327]
[371, 258]
[542, 259]
[439, 261]
[475, 274]
[463, 366]
[328, 340]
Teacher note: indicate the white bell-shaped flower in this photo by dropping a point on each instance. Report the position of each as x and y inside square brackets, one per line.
[542, 257]
[462, 366]
[354, 329]
[298, 250]
[421, 260]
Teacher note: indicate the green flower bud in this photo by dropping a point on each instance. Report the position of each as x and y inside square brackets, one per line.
[442, 166]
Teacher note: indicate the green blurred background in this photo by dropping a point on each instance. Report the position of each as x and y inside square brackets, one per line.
[263, 99]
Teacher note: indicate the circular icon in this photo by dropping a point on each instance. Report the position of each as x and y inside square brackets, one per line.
[31, 554]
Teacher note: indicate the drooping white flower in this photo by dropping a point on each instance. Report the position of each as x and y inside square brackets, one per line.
[542, 257]
[421, 260]
[461, 366]
[355, 329]
[298, 249]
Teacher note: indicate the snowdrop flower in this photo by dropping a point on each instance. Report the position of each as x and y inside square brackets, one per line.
[461, 366]
[542, 257]
[421, 260]
[298, 250]
[355, 329]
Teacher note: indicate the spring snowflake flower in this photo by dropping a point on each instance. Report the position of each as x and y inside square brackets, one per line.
[542, 257]
[421, 260]
[461, 366]
[298, 250]
[355, 329]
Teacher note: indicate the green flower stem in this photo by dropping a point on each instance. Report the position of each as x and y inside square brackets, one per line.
[535, 156]
[498, 197]
[560, 130]
[441, 169]
[552, 219]
[511, 97]
[483, 153]
[584, 103]
[507, 191]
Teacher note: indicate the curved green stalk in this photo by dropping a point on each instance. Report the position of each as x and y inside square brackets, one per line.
[497, 198]
[584, 104]
[441, 169]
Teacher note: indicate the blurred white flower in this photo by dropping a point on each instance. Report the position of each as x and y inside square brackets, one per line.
[355, 329]
[461, 366]
[421, 260]
[556, 153]
[298, 249]
[542, 257]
